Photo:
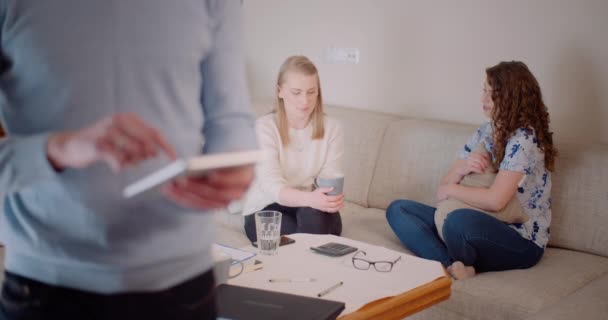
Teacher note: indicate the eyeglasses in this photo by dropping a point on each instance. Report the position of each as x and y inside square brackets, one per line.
[380, 266]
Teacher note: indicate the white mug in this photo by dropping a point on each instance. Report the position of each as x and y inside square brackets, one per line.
[222, 267]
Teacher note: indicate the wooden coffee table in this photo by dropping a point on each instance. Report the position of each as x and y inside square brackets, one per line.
[413, 285]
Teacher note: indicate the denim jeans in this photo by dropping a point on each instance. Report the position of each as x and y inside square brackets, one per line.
[26, 299]
[473, 237]
[299, 220]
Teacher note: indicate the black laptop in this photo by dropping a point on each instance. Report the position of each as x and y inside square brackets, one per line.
[242, 303]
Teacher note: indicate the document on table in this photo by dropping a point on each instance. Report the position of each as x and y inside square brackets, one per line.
[236, 254]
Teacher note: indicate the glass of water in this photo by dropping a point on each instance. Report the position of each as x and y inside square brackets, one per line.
[268, 228]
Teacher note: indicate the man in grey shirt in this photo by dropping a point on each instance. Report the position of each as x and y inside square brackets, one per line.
[93, 95]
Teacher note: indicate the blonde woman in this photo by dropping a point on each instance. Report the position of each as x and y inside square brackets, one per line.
[303, 143]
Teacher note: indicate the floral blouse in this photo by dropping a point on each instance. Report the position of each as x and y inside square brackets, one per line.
[523, 155]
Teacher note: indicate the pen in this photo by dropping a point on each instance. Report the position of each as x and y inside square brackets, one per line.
[293, 280]
[330, 289]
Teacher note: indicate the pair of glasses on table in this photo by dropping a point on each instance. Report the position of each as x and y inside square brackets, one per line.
[361, 263]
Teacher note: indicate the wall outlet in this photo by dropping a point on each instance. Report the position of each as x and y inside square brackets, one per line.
[342, 55]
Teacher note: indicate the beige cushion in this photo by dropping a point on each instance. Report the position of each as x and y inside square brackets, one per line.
[590, 302]
[369, 225]
[235, 239]
[512, 213]
[415, 155]
[438, 313]
[580, 199]
[233, 221]
[518, 294]
[363, 133]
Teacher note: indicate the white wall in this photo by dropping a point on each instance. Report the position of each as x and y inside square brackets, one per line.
[426, 58]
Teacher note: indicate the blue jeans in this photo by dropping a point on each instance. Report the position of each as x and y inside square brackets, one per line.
[475, 238]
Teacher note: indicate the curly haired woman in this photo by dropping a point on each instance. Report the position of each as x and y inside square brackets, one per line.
[522, 152]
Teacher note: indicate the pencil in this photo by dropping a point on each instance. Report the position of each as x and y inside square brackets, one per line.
[330, 289]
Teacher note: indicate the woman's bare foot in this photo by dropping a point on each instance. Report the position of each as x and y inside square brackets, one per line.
[460, 272]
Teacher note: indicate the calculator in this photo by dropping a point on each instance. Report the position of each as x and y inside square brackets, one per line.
[334, 249]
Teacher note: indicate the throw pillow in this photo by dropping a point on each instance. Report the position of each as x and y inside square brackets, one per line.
[512, 213]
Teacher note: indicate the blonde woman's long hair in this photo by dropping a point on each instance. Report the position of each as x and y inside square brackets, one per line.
[302, 65]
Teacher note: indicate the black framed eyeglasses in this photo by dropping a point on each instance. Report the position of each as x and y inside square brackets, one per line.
[380, 266]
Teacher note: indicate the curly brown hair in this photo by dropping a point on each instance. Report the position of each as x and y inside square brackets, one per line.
[518, 103]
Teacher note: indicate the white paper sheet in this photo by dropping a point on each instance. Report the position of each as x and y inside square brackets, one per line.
[236, 254]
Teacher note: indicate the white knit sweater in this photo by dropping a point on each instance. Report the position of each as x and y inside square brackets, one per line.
[295, 166]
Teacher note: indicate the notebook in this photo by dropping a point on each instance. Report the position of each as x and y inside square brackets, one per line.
[235, 302]
[234, 253]
[195, 166]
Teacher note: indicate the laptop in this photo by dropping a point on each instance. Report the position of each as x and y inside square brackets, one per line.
[242, 303]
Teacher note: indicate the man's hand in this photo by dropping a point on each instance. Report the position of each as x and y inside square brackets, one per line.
[215, 190]
[120, 140]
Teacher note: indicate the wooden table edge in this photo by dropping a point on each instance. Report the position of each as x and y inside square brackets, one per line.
[405, 304]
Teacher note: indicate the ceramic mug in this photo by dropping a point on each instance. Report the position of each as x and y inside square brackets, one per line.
[336, 182]
[224, 266]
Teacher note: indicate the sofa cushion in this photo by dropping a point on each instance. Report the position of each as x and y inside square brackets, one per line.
[233, 221]
[517, 294]
[590, 302]
[369, 225]
[363, 133]
[580, 199]
[231, 236]
[414, 156]
[438, 313]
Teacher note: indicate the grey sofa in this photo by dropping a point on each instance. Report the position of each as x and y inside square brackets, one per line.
[390, 157]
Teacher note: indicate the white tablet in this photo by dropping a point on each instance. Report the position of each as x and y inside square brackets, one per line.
[195, 166]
